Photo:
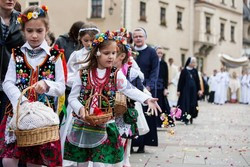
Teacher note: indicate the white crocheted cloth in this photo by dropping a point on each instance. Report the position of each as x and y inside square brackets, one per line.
[34, 115]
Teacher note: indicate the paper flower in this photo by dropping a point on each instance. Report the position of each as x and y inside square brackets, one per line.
[45, 8]
[35, 15]
[19, 20]
[24, 18]
[98, 111]
[100, 39]
[29, 15]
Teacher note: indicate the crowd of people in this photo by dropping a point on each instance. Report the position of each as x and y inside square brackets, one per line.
[225, 88]
[86, 66]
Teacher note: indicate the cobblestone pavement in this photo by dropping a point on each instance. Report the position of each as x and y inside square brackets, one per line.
[219, 137]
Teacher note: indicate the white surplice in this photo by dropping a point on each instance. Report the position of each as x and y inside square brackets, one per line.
[244, 89]
[172, 88]
[221, 88]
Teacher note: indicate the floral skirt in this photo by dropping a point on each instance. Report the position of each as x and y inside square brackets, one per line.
[48, 154]
[110, 151]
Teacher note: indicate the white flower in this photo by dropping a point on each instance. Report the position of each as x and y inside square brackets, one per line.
[35, 15]
[188, 116]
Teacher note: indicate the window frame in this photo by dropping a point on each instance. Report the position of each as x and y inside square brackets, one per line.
[97, 13]
[32, 1]
[208, 27]
[163, 18]
[232, 33]
[179, 20]
[142, 11]
[90, 10]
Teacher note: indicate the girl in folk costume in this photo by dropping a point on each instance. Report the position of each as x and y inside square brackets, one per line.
[86, 36]
[76, 61]
[35, 63]
[127, 123]
[99, 145]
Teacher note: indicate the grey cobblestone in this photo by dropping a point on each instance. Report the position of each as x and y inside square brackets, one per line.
[219, 137]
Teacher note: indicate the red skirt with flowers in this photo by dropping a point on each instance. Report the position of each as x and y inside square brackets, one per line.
[48, 154]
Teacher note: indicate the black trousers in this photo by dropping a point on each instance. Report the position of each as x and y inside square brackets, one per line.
[211, 97]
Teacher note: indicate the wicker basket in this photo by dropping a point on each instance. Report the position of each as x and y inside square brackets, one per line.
[38, 136]
[97, 119]
[120, 104]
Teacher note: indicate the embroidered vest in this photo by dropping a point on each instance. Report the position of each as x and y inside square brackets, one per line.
[108, 91]
[27, 76]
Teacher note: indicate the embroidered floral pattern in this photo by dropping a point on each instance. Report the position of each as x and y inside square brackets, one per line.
[108, 91]
[24, 73]
[110, 151]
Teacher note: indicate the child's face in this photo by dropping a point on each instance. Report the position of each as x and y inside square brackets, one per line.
[7, 4]
[108, 54]
[87, 41]
[35, 32]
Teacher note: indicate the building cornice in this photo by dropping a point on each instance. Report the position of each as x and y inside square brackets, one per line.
[217, 6]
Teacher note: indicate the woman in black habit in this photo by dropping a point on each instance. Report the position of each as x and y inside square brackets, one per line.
[188, 91]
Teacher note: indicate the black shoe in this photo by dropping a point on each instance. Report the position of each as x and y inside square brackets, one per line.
[191, 121]
[141, 150]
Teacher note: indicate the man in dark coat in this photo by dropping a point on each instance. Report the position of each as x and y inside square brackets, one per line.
[10, 37]
[148, 62]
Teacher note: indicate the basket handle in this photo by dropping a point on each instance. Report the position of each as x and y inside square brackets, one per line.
[19, 102]
[87, 105]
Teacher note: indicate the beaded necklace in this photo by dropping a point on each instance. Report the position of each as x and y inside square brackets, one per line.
[99, 83]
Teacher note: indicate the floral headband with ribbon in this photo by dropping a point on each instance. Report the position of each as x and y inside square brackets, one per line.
[22, 18]
[119, 36]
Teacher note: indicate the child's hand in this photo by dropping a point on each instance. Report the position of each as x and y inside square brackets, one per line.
[153, 106]
[41, 87]
[82, 113]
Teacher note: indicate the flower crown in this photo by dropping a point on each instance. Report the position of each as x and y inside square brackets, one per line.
[22, 18]
[119, 36]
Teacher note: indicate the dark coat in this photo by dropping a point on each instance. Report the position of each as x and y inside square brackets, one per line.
[68, 44]
[148, 62]
[162, 83]
[14, 39]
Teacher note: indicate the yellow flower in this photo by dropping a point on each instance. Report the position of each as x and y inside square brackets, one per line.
[19, 20]
[29, 15]
[100, 39]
